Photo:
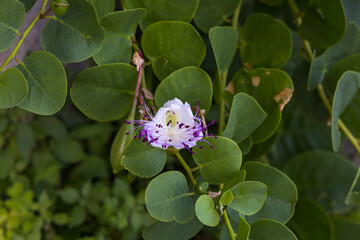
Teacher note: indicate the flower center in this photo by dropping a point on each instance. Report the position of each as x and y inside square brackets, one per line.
[170, 118]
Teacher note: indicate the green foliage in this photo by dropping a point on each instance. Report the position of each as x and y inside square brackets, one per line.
[247, 70]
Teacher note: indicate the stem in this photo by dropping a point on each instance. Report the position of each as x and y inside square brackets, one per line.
[236, 15]
[137, 89]
[24, 35]
[228, 226]
[186, 167]
[320, 88]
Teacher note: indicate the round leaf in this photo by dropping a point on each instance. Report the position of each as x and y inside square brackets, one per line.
[103, 7]
[158, 10]
[167, 198]
[13, 88]
[167, 45]
[347, 95]
[204, 209]
[218, 164]
[189, 84]
[74, 36]
[212, 13]
[270, 230]
[47, 84]
[12, 17]
[319, 25]
[310, 221]
[248, 197]
[226, 198]
[281, 192]
[174, 230]
[246, 116]
[272, 89]
[115, 49]
[313, 173]
[104, 93]
[142, 159]
[269, 46]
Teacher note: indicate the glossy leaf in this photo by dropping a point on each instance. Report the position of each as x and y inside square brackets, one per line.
[47, 84]
[218, 164]
[243, 229]
[104, 93]
[174, 230]
[281, 192]
[272, 89]
[204, 209]
[166, 44]
[319, 25]
[189, 84]
[159, 10]
[74, 36]
[12, 17]
[313, 173]
[224, 43]
[226, 198]
[13, 88]
[269, 230]
[269, 46]
[212, 13]
[246, 116]
[310, 221]
[321, 64]
[249, 196]
[119, 27]
[238, 178]
[103, 7]
[347, 92]
[167, 198]
[142, 159]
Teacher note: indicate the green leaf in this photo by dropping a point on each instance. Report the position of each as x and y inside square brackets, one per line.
[319, 25]
[104, 93]
[243, 229]
[74, 36]
[204, 209]
[270, 230]
[159, 10]
[345, 229]
[333, 75]
[47, 84]
[119, 27]
[212, 13]
[271, 2]
[353, 195]
[142, 159]
[13, 88]
[103, 7]
[269, 46]
[249, 197]
[224, 43]
[272, 89]
[174, 230]
[220, 163]
[25, 140]
[281, 192]
[313, 173]
[321, 64]
[310, 221]
[46, 167]
[7, 163]
[226, 198]
[12, 17]
[347, 94]
[189, 84]
[167, 45]
[61, 219]
[167, 198]
[69, 195]
[238, 178]
[246, 116]
[54, 127]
